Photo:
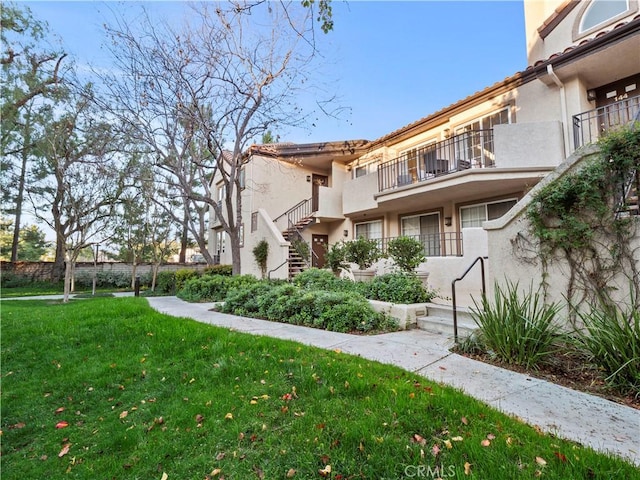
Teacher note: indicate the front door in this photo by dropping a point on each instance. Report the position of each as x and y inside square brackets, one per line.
[317, 181]
[625, 94]
[319, 248]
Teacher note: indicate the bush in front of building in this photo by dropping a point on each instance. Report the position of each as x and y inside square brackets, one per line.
[213, 288]
[338, 311]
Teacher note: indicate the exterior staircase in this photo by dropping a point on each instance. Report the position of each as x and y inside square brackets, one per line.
[297, 263]
[439, 319]
[630, 206]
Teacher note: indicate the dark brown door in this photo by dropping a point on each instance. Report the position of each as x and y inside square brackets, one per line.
[620, 93]
[319, 248]
[317, 182]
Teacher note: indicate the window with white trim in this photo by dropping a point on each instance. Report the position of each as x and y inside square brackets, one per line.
[474, 143]
[369, 230]
[424, 228]
[474, 215]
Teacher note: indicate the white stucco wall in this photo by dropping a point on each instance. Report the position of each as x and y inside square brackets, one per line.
[514, 255]
[514, 144]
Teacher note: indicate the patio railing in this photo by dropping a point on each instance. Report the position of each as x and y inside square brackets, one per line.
[472, 149]
[589, 126]
[445, 244]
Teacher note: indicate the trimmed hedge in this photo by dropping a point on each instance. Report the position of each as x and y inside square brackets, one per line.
[213, 288]
[287, 303]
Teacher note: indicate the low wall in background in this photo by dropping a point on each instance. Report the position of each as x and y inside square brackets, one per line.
[43, 271]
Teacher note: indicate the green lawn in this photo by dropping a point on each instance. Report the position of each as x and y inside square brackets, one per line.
[108, 388]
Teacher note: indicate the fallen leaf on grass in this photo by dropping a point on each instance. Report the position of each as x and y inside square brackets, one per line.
[228, 416]
[561, 457]
[448, 444]
[467, 468]
[435, 450]
[164, 476]
[62, 425]
[124, 414]
[541, 461]
[65, 450]
[220, 456]
[215, 472]
[59, 410]
[17, 426]
[291, 473]
[457, 439]
[485, 442]
[325, 472]
[464, 420]
[491, 436]
[418, 439]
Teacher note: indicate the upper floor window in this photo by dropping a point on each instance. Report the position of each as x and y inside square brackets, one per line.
[599, 12]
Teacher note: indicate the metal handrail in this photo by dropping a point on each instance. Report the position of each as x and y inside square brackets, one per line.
[590, 125]
[453, 293]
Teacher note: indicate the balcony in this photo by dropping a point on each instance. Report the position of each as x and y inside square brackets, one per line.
[445, 244]
[588, 126]
[472, 149]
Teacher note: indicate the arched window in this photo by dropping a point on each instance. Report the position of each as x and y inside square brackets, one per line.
[600, 11]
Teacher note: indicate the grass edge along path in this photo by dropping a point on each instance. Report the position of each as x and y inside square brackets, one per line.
[110, 388]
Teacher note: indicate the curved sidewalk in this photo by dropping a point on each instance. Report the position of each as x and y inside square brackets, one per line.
[590, 420]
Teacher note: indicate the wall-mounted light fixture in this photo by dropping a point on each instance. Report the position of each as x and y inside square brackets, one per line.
[308, 178]
[591, 95]
[345, 233]
[447, 221]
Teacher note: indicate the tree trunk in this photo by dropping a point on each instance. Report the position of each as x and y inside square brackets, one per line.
[20, 196]
[154, 276]
[184, 239]
[67, 277]
[58, 271]
[234, 240]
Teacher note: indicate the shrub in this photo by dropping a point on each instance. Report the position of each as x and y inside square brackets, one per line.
[213, 288]
[261, 253]
[336, 311]
[12, 280]
[518, 331]
[318, 279]
[226, 270]
[166, 283]
[611, 336]
[362, 251]
[245, 301]
[397, 287]
[406, 252]
[183, 275]
[335, 257]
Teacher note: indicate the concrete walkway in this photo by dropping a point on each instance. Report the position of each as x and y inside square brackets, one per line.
[590, 420]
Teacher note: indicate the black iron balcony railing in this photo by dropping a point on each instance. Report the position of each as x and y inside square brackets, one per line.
[445, 244]
[472, 149]
[589, 126]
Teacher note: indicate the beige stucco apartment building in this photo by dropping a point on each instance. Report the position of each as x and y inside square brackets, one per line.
[442, 177]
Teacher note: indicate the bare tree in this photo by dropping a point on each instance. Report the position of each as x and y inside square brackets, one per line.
[198, 96]
[81, 178]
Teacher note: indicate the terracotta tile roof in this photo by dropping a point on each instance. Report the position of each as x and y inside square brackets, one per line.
[587, 41]
[508, 83]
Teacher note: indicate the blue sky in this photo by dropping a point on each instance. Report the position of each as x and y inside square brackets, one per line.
[390, 63]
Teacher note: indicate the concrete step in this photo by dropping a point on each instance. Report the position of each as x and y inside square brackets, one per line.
[439, 319]
[444, 326]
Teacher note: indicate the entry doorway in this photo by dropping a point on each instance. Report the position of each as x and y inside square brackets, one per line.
[319, 248]
[317, 181]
